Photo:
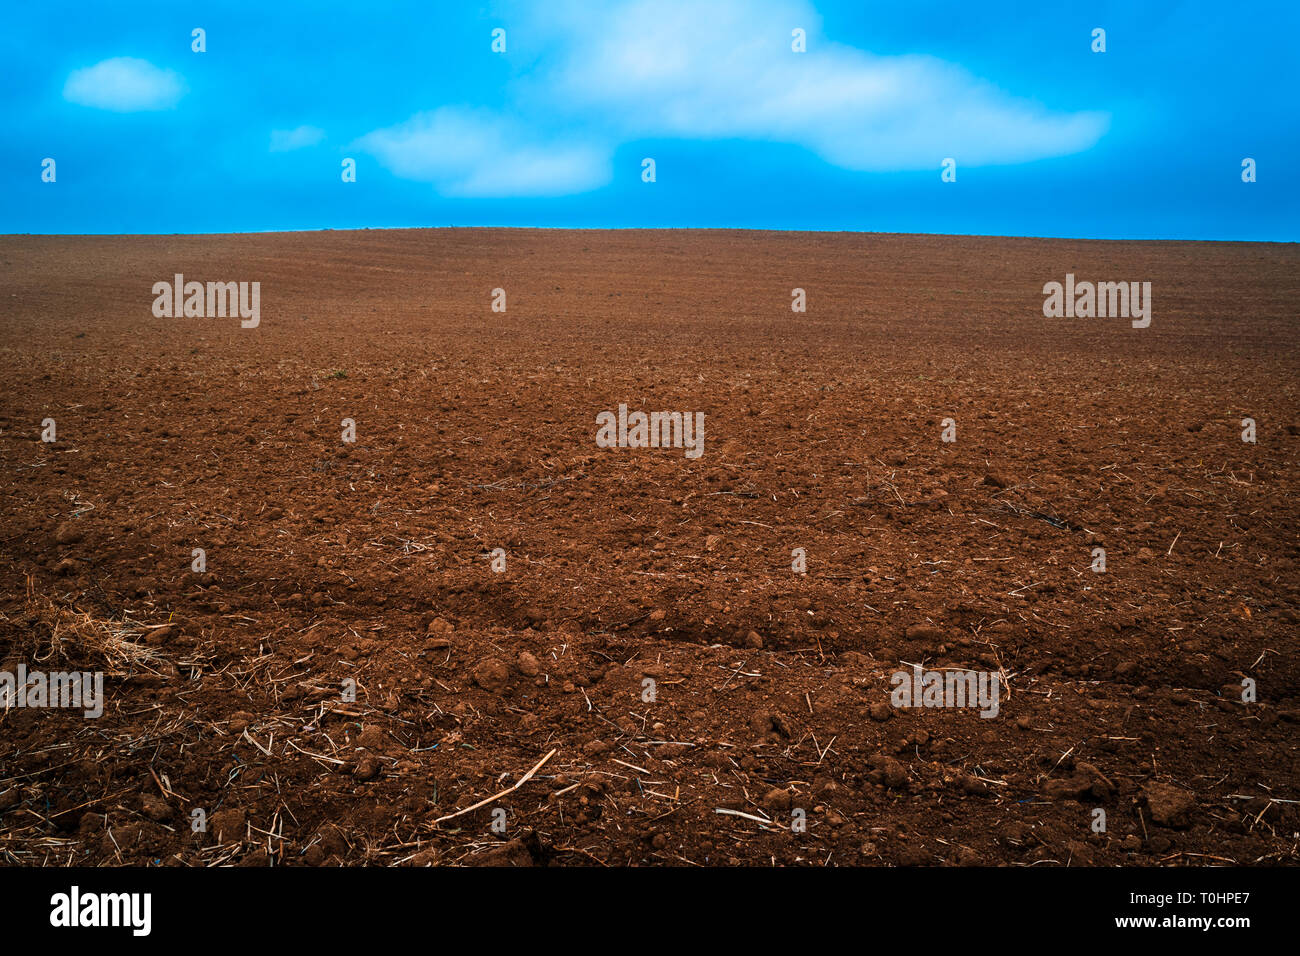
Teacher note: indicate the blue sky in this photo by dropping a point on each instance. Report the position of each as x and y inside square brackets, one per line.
[1145, 140]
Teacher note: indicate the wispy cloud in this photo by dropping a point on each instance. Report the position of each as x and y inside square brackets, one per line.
[482, 154]
[286, 140]
[124, 84]
[641, 69]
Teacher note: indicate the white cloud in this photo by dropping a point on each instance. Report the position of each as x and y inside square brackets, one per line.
[124, 84]
[482, 154]
[285, 140]
[725, 69]
[641, 69]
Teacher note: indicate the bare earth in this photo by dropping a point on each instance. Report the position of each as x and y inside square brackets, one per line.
[630, 570]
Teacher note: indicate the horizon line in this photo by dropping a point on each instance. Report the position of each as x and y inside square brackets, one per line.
[515, 228]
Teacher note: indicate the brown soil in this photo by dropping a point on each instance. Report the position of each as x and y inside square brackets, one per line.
[476, 430]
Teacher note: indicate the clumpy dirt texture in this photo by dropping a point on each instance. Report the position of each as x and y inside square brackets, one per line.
[643, 643]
